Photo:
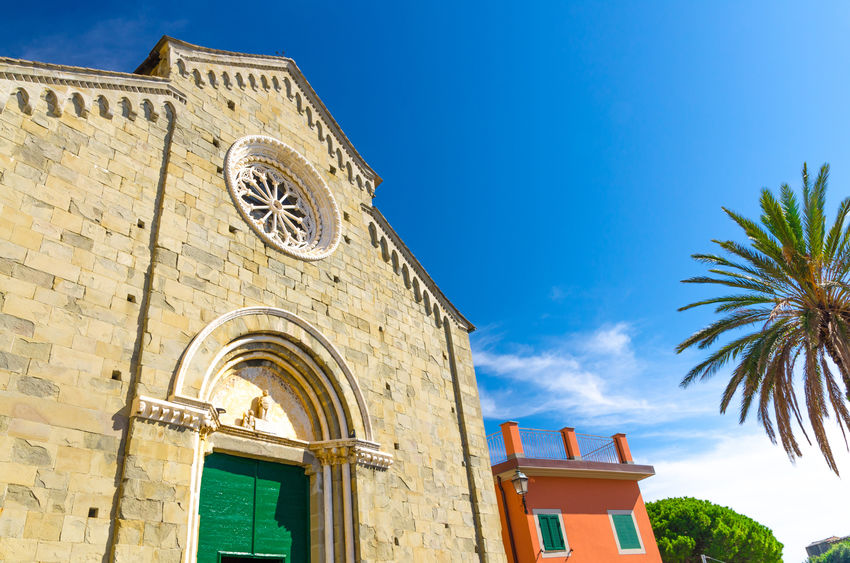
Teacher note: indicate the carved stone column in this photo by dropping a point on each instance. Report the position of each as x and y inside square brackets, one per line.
[346, 453]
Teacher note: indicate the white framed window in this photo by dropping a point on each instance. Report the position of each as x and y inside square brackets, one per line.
[551, 535]
[626, 532]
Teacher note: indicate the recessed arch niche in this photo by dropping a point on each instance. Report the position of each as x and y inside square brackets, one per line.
[240, 387]
[302, 353]
[316, 417]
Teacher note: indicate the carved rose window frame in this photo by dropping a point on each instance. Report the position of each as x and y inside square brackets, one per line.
[282, 197]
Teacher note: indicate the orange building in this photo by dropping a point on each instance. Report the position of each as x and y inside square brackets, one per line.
[571, 497]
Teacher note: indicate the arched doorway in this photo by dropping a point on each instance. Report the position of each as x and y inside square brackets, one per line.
[279, 417]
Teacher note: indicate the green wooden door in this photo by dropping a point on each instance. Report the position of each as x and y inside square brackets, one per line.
[253, 509]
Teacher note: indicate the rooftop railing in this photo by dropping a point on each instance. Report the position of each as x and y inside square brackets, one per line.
[496, 445]
[564, 444]
[542, 444]
[597, 448]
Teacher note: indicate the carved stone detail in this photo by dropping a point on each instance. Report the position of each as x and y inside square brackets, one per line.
[173, 413]
[373, 458]
[282, 197]
[361, 452]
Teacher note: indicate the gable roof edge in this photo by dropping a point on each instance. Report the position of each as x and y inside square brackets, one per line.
[197, 53]
[420, 271]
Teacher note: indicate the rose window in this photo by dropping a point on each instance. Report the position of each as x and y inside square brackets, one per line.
[282, 197]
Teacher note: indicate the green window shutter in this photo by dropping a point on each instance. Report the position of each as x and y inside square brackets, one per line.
[626, 533]
[550, 530]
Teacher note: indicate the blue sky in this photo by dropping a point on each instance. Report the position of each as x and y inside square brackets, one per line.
[553, 165]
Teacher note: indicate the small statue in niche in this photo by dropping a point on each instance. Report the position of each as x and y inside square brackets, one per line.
[248, 419]
[264, 403]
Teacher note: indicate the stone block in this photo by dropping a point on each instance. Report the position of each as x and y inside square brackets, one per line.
[16, 325]
[29, 430]
[70, 459]
[13, 362]
[97, 531]
[50, 551]
[130, 532]
[37, 387]
[12, 522]
[41, 526]
[23, 497]
[86, 553]
[13, 550]
[141, 509]
[23, 451]
[48, 479]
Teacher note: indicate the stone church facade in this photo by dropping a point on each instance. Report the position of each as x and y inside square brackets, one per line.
[213, 346]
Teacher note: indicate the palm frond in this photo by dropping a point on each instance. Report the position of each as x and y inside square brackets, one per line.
[792, 280]
[709, 334]
[791, 210]
[813, 213]
[834, 237]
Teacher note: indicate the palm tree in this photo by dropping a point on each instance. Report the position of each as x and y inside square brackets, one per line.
[792, 296]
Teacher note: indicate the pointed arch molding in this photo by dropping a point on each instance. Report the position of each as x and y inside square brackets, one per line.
[200, 364]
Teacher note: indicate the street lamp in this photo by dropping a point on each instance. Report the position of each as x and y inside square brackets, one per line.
[520, 481]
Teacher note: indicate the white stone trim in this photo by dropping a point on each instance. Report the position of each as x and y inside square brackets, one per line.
[21, 71]
[200, 338]
[543, 553]
[279, 155]
[347, 513]
[621, 551]
[173, 413]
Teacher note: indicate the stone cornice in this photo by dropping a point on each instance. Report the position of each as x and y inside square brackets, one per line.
[418, 269]
[22, 71]
[175, 414]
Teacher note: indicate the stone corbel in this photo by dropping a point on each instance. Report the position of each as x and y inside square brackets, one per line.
[361, 452]
[372, 457]
[200, 420]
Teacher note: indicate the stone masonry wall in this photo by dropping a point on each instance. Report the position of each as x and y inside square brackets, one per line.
[74, 191]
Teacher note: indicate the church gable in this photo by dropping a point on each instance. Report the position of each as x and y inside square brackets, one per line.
[264, 80]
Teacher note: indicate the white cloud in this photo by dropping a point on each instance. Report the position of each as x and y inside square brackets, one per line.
[603, 379]
[614, 340]
[594, 376]
[801, 502]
